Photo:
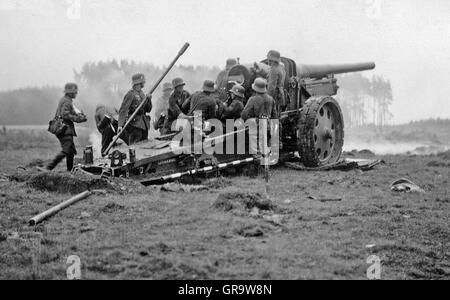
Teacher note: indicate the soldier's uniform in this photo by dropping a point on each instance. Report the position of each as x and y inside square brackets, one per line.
[204, 102]
[234, 110]
[68, 113]
[276, 79]
[260, 106]
[137, 130]
[177, 104]
[107, 124]
[222, 78]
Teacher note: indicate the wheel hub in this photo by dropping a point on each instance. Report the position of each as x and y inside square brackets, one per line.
[324, 133]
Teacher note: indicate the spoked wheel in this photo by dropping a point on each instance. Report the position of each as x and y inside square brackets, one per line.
[321, 132]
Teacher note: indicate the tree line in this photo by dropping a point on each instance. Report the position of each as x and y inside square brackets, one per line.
[365, 100]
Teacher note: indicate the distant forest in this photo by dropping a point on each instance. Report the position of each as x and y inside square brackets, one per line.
[364, 101]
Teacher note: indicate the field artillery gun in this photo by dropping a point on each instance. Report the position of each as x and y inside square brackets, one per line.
[313, 122]
[312, 126]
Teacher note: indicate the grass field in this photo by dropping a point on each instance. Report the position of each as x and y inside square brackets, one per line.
[134, 232]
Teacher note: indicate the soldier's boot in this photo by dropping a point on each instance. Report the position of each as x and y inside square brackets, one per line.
[69, 162]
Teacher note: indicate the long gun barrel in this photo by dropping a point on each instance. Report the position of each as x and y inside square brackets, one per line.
[185, 47]
[320, 71]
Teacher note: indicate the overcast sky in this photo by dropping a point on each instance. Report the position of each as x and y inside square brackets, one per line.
[41, 41]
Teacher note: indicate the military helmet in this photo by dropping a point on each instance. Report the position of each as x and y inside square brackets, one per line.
[71, 88]
[260, 85]
[208, 86]
[167, 86]
[178, 82]
[274, 56]
[138, 79]
[231, 62]
[238, 90]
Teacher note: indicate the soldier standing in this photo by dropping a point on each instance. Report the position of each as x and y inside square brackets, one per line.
[222, 78]
[234, 110]
[276, 79]
[70, 115]
[177, 104]
[137, 131]
[260, 106]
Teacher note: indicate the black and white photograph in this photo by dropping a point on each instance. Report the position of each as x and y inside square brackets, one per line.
[223, 146]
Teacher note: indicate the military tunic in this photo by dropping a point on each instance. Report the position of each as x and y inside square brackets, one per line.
[259, 106]
[178, 104]
[275, 85]
[234, 110]
[139, 126]
[205, 103]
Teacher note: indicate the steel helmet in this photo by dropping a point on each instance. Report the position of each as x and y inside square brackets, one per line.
[260, 85]
[231, 62]
[71, 88]
[138, 79]
[274, 56]
[238, 90]
[178, 82]
[208, 86]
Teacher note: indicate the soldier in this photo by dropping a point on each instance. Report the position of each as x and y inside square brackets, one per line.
[162, 106]
[137, 130]
[179, 97]
[222, 78]
[177, 104]
[260, 106]
[276, 79]
[234, 110]
[204, 102]
[107, 124]
[70, 115]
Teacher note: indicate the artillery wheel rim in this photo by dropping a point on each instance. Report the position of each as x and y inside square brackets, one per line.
[321, 132]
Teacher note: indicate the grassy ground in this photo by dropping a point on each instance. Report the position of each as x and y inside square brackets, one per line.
[154, 234]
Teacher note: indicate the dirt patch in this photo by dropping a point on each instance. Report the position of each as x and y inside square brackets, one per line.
[250, 231]
[218, 183]
[112, 208]
[66, 183]
[438, 164]
[35, 163]
[74, 184]
[243, 201]
[445, 155]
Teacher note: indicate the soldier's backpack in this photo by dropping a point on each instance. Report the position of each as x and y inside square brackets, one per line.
[57, 126]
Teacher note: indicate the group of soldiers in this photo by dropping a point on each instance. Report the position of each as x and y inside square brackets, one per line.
[175, 103]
